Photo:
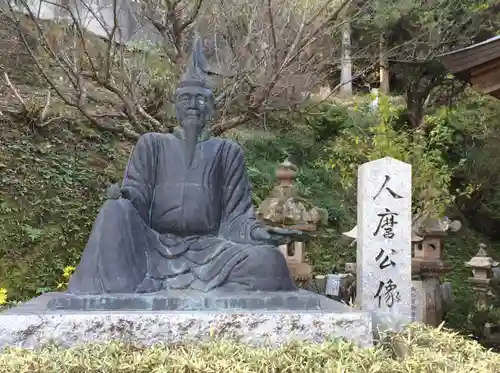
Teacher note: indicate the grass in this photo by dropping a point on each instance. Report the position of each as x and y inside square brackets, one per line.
[427, 350]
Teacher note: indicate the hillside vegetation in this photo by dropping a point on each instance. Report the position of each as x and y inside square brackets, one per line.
[53, 183]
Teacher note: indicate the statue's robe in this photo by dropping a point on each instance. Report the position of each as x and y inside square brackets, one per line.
[188, 226]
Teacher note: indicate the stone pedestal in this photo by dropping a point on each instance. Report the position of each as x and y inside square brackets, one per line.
[255, 318]
[431, 297]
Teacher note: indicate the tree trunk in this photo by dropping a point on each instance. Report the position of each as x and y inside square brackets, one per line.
[384, 65]
[415, 103]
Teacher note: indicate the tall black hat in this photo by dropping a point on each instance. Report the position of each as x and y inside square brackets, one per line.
[197, 73]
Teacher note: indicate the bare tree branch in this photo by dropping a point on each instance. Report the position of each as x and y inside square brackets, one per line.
[268, 60]
[14, 91]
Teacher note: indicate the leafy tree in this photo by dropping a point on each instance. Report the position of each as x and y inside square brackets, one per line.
[376, 138]
[416, 33]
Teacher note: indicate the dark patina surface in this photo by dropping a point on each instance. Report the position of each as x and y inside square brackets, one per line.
[187, 300]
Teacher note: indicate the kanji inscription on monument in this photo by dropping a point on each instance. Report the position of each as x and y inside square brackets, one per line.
[384, 238]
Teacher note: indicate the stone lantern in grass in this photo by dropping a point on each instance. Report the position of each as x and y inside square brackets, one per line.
[482, 275]
[484, 283]
[285, 208]
[433, 298]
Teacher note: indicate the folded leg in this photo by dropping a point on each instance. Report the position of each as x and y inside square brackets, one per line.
[263, 269]
[114, 260]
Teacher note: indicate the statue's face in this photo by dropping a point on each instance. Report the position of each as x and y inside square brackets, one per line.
[194, 107]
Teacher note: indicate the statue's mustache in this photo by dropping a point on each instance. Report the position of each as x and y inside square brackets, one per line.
[193, 112]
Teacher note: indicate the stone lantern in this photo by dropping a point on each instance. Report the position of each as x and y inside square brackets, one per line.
[434, 298]
[428, 237]
[285, 208]
[482, 275]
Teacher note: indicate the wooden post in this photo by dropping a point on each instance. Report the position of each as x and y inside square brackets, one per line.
[384, 66]
[346, 59]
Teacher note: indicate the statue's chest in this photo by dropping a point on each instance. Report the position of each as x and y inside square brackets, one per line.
[189, 195]
[205, 170]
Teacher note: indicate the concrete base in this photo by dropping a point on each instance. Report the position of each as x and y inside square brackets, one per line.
[71, 320]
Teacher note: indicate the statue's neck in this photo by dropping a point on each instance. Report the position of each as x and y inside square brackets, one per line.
[203, 136]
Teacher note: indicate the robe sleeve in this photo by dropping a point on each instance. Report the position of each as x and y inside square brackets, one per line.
[238, 215]
[140, 175]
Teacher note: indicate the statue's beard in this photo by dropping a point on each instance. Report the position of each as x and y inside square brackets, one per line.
[192, 128]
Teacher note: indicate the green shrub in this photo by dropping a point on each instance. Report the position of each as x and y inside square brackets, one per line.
[327, 121]
[426, 350]
[468, 130]
[471, 127]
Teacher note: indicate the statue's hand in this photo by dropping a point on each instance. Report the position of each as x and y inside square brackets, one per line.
[278, 236]
[113, 192]
[117, 192]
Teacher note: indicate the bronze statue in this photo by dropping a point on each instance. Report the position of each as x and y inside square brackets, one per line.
[183, 216]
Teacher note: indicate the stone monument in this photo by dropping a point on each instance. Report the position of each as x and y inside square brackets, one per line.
[384, 241]
[177, 254]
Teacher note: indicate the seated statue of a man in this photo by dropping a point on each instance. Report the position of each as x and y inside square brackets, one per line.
[183, 216]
